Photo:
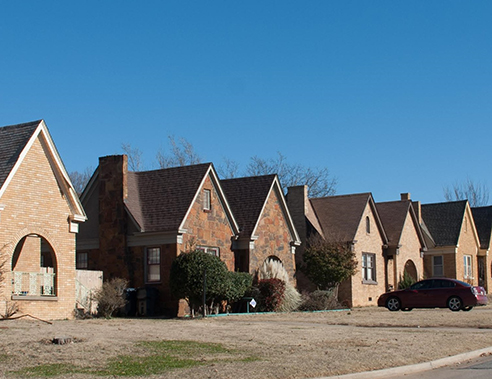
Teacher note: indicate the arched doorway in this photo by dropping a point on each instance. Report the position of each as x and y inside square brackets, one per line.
[411, 269]
[34, 267]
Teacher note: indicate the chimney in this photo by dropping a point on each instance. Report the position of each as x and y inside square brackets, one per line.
[405, 196]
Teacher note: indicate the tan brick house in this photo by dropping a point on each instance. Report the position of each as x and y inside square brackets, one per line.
[266, 227]
[483, 222]
[406, 242]
[456, 250]
[39, 218]
[139, 222]
[351, 219]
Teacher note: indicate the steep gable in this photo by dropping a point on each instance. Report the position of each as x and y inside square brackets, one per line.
[444, 221]
[483, 222]
[341, 216]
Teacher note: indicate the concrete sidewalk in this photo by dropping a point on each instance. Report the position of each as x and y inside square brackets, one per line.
[398, 371]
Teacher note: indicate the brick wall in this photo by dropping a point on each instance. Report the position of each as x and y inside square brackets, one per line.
[34, 204]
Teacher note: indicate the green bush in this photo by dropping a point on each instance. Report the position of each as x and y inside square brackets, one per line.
[237, 285]
[406, 281]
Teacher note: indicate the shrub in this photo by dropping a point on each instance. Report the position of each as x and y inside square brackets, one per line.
[111, 297]
[237, 285]
[187, 274]
[271, 293]
[406, 281]
[319, 301]
[274, 269]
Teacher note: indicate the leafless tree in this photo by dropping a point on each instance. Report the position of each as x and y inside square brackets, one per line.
[476, 193]
[80, 179]
[182, 154]
[318, 180]
[228, 169]
[135, 160]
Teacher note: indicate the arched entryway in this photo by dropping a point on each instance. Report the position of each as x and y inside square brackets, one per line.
[34, 267]
[411, 269]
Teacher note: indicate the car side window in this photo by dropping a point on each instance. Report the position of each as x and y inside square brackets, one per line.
[421, 285]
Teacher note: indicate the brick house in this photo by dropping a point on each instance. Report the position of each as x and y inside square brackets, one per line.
[40, 213]
[406, 242]
[456, 250]
[350, 219]
[483, 222]
[266, 227]
[139, 222]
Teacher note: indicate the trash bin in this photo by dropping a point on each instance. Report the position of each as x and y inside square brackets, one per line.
[130, 309]
[146, 299]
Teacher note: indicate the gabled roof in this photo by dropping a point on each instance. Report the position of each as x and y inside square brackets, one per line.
[444, 221]
[160, 200]
[483, 222]
[393, 215]
[340, 216]
[248, 197]
[15, 143]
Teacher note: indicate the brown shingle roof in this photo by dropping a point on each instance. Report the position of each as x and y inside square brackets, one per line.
[159, 200]
[13, 139]
[340, 216]
[393, 215]
[246, 197]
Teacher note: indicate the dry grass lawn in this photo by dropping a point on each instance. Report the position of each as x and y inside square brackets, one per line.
[297, 345]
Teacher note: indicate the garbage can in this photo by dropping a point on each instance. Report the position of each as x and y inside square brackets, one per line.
[146, 299]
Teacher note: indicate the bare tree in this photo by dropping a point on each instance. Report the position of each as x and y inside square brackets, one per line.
[228, 169]
[318, 180]
[182, 154]
[135, 160]
[476, 193]
[80, 179]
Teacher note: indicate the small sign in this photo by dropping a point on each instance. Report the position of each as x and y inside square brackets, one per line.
[253, 303]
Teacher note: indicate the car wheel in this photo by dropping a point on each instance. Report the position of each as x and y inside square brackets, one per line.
[393, 304]
[406, 309]
[466, 309]
[454, 303]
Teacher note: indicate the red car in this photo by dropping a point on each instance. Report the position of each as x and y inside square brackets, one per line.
[435, 293]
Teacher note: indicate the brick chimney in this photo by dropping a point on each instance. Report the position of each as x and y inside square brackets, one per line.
[405, 196]
[113, 191]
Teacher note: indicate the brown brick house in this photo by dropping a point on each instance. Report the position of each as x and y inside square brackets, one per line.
[139, 222]
[39, 219]
[266, 227]
[351, 219]
[456, 250]
[483, 221]
[406, 242]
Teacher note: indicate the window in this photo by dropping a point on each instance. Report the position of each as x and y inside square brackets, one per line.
[209, 250]
[153, 264]
[207, 200]
[368, 267]
[467, 261]
[82, 260]
[437, 265]
[368, 225]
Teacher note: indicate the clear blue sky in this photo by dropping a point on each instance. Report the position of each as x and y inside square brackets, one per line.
[392, 96]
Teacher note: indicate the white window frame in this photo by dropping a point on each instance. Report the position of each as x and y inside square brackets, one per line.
[467, 267]
[207, 199]
[438, 268]
[153, 265]
[369, 268]
[209, 250]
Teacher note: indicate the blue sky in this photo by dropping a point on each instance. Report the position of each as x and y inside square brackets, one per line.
[391, 96]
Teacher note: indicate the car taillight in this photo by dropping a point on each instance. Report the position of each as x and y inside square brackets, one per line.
[474, 290]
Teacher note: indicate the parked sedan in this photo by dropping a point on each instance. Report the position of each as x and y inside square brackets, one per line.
[435, 293]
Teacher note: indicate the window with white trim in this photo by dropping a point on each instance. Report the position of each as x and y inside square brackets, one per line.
[467, 262]
[153, 264]
[368, 267]
[437, 265]
[209, 250]
[207, 202]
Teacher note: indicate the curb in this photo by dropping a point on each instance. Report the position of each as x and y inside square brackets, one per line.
[411, 369]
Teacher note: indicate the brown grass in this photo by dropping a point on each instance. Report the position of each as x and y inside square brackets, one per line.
[296, 345]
